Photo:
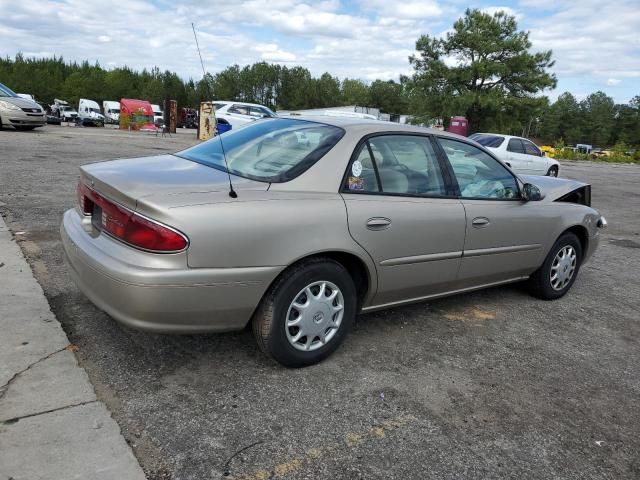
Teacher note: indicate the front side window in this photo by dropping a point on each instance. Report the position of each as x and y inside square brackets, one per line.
[397, 164]
[531, 149]
[478, 174]
[273, 150]
[261, 112]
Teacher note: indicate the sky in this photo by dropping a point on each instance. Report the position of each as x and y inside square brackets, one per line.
[596, 46]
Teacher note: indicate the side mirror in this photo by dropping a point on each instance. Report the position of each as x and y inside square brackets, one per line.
[531, 193]
[544, 154]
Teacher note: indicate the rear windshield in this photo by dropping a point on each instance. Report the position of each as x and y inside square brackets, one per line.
[273, 150]
[491, 141]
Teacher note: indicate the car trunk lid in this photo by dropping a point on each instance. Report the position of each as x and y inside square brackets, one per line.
[163, 181]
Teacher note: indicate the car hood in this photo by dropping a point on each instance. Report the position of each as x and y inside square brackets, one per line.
[163, 181]
[21, 102]
[553, 188]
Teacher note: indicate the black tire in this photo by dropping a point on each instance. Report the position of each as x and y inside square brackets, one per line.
[553, 171]
[540, 284]
[269, 320]
[24, 128]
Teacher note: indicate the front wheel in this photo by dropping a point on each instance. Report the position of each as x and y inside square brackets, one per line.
[306, 314]
[553, 171]
[559, 270]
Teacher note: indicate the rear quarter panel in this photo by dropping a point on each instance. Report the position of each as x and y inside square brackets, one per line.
[267, 229]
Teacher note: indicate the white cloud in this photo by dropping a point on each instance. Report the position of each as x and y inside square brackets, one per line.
[587, 44]
[367, 39]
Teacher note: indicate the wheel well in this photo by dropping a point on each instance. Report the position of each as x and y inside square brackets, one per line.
[354, 266]
[582, 234]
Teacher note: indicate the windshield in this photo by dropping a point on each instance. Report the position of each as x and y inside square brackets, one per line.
[491, 141]
[6, 91]
[274, 150]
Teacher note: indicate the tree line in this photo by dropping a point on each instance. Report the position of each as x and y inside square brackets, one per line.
[278, 87]
[482, 69]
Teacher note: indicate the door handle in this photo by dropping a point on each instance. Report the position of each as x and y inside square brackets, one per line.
[480, 222]
[378, 223]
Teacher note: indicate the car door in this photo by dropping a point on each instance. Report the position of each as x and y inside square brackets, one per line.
[504, 234]
[402, 212]
[516, 156]
[537, 162]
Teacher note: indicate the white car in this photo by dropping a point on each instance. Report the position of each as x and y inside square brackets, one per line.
[240, 113]
[520, 154]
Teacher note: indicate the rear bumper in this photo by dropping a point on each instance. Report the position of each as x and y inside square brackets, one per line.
[162, 300]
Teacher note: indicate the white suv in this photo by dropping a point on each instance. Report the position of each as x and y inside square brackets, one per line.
[239, 113]
[520, 154]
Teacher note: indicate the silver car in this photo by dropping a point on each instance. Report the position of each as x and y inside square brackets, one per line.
[18, 112]
[297, 225]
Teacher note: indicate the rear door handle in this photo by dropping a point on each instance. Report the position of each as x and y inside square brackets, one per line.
[378, 223]
[480, 222]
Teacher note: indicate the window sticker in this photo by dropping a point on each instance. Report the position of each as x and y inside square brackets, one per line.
[356, 183]
[356, 168]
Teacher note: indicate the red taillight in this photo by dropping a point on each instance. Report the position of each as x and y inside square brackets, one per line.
[129, 226]
[152, 236]
[84, 202]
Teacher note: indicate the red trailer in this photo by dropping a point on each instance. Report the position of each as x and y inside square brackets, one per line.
[136, 115]
[459, 125]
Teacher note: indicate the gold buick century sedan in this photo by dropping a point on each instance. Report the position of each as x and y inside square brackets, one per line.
[298, 224]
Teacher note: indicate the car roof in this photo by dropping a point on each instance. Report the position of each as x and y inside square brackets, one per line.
[239, 103]
[365, 125]
[501, 135]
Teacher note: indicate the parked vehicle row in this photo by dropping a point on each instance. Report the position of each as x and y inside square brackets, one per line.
[349, 215]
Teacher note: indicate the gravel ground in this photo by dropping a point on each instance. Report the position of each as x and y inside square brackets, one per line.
[493, 384]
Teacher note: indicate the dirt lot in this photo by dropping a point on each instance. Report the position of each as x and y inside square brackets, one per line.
[493, 384]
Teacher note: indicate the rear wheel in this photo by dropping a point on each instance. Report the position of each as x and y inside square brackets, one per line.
[553, 171]
[306, 314]
[559, 270]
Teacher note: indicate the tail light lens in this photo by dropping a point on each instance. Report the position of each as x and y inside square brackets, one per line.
[128, 226]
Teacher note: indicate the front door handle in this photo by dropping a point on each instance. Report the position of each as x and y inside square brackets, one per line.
[480, 222]
[378, 223]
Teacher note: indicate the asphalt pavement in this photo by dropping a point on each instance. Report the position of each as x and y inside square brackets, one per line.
[493, 384]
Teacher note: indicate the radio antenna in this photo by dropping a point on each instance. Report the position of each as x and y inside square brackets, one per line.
[232, 192]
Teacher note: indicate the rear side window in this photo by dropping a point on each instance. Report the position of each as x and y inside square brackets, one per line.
[239, 109]
[515, 145]
[491, 141]
[396, 164]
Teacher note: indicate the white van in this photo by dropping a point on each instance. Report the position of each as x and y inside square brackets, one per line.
[158, 116]
[89, 113]
[111, 111]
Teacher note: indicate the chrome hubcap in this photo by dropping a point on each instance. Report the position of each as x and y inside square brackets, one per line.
[563, 267]
[314, 316]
